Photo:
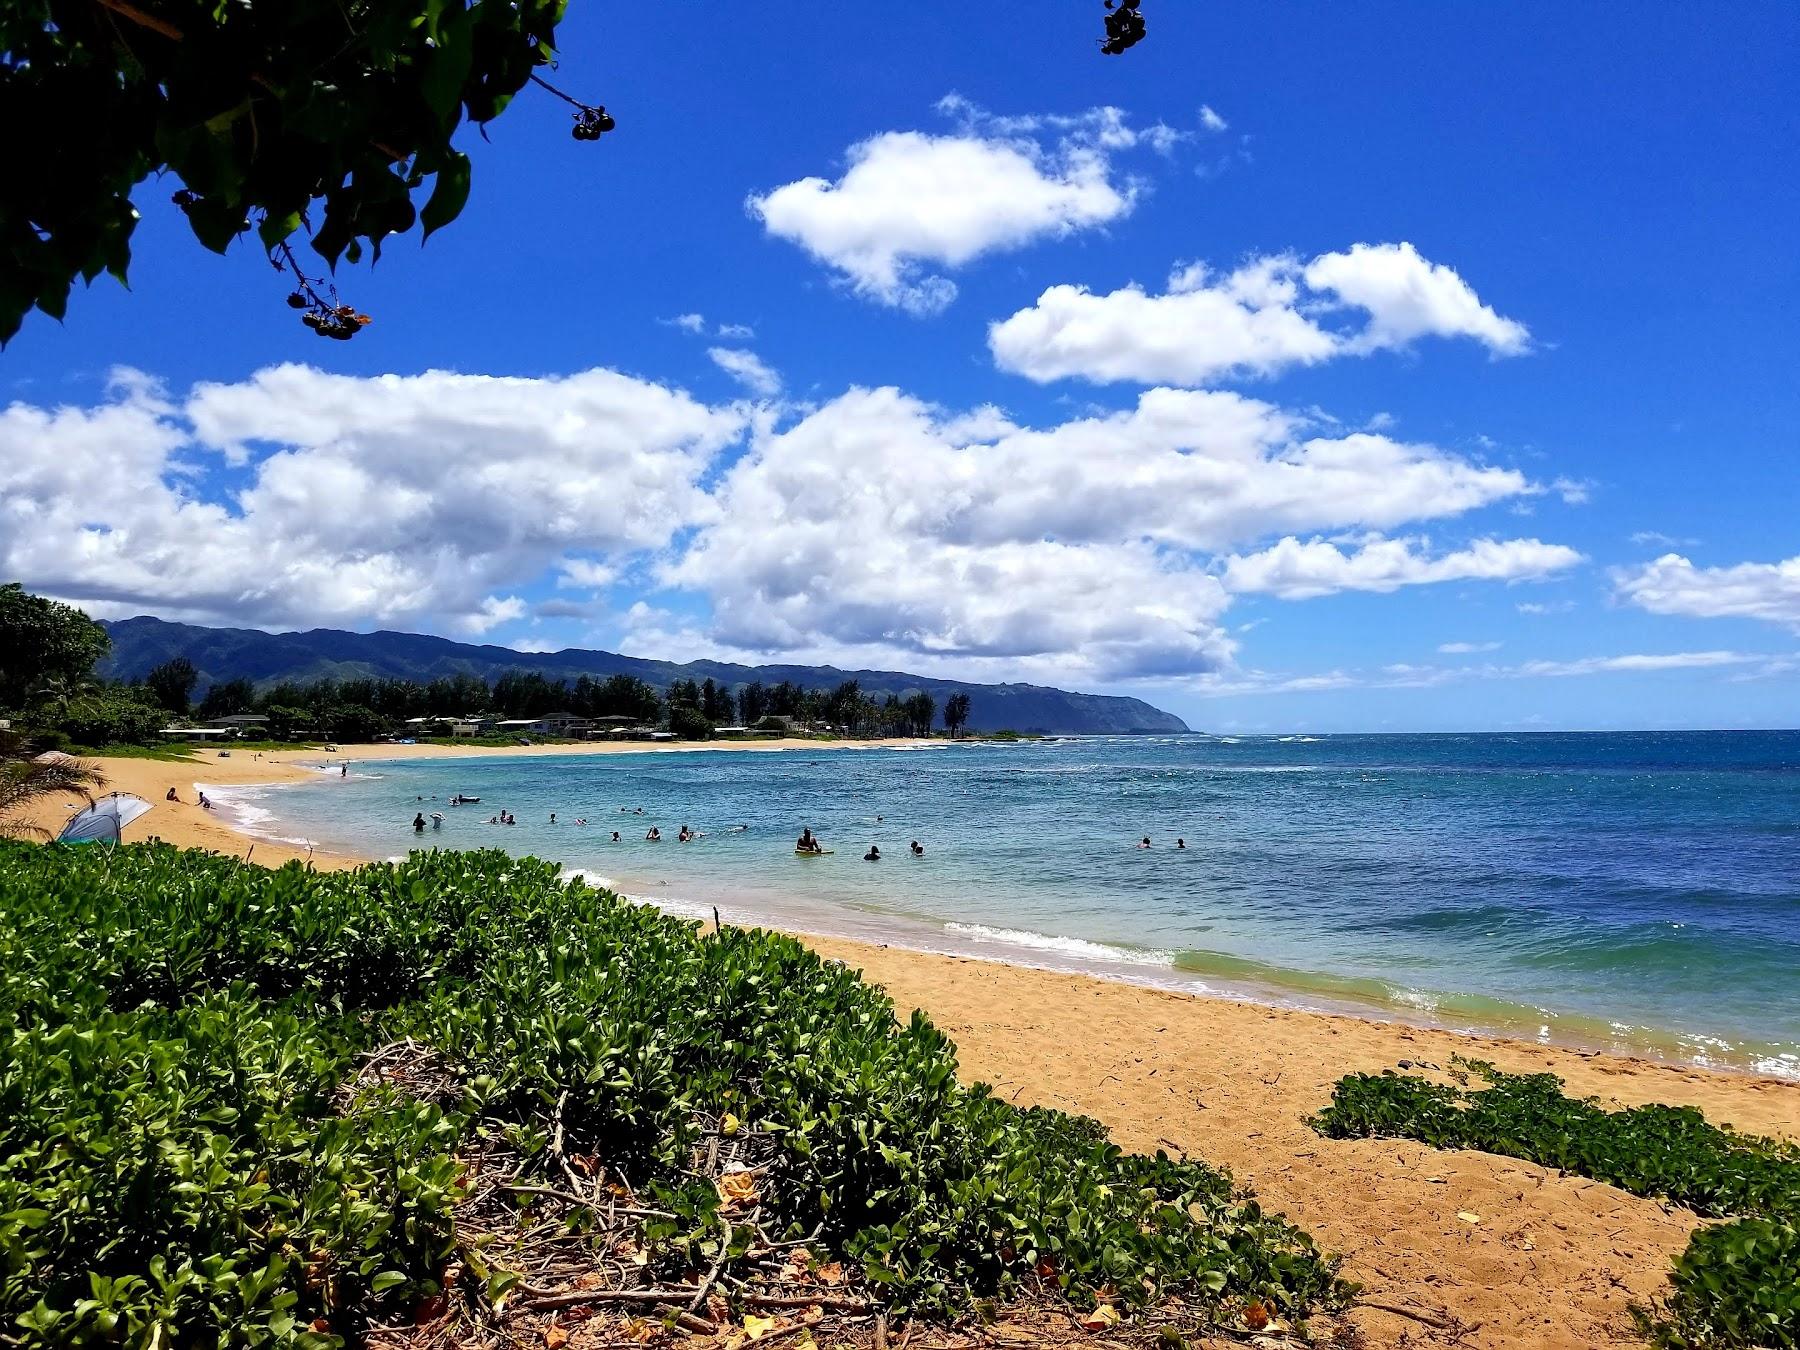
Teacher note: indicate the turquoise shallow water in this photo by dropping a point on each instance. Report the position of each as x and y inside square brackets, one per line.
[1639, 891]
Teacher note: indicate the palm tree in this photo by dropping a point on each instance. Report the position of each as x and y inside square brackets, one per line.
[24, 779]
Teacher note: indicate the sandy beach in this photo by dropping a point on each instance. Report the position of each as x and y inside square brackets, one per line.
[1549, 1260]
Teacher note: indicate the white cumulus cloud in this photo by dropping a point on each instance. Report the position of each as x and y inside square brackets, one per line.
[1266, 316]
[392, 499]
[748, 369]
[882, 525]
[1673, 585]
[1296, 570]
[911, 201]
[874, 528]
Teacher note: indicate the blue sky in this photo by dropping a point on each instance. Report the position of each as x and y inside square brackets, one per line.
[1555, 434]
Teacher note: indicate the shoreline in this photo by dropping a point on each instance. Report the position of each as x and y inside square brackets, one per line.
[1553, 1260]
[228, 831]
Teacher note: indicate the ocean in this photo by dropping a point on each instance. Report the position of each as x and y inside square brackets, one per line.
[1634, 892]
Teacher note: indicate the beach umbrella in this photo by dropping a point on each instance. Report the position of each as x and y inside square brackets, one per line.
[103, 822]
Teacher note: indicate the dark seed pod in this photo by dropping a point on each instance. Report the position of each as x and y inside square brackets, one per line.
[297, 300]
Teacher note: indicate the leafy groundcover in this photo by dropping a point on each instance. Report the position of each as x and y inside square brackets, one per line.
[253, 1107]
[1737, 1284]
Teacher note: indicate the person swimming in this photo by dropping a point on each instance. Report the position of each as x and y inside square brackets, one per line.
[685, 835]
[873, 855]
[419, 823]
[615, 837]
[654, 836]
[918, 849]
[1144, 842]
[553, 817]
[1181, 843]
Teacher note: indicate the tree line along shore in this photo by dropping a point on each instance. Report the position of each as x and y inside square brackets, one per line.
[49, 651]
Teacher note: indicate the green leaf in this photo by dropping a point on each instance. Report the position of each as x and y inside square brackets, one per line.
[448, 194]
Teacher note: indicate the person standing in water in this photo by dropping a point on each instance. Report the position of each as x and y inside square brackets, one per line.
[807, 842]
[873, 855]
[918, 849]
[419, 823]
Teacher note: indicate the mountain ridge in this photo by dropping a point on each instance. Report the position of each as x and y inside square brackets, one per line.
[220, 654]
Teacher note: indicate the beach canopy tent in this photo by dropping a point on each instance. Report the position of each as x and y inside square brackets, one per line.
[103, 822]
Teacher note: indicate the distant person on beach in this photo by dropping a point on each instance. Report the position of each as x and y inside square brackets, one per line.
[419, 823]
[205, 804]
[655, 835]
[918, 849]
[344, 772]
[171, 796]
[873, 855]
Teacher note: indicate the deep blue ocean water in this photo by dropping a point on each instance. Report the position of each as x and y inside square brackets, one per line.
[1640, 891]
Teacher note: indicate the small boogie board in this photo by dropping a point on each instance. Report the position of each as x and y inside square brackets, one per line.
[811, 853]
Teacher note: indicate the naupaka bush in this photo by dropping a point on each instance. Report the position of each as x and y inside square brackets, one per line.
[175, 1153]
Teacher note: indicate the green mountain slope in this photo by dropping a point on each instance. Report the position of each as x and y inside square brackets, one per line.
[327, 653]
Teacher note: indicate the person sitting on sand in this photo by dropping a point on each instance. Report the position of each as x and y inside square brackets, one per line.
[1144, 842]
[918, 849]
[171, 796]
[655, 835]
[419, 823]
[873, 855]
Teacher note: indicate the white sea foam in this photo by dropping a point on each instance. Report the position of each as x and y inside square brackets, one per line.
[246, 810]
[1079, 948]
[1778, 1066]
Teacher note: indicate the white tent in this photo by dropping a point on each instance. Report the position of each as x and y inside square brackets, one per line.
[104, 821]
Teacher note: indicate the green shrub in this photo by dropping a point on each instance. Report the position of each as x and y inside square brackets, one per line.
[170, 1153]
[1737, 1284]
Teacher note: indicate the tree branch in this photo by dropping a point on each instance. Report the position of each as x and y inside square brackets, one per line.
[126, 10]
